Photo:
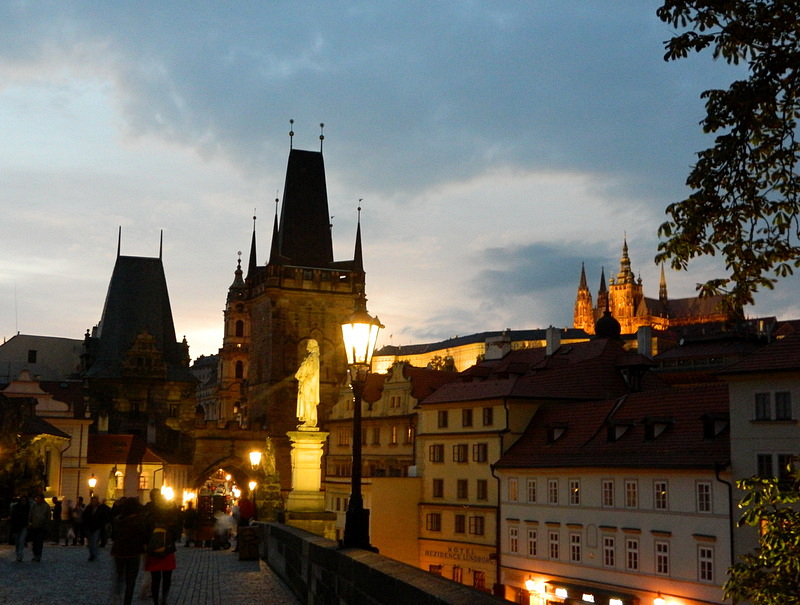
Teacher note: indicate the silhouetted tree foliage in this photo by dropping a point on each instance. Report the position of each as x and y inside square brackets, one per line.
[771, 574]
[744, 200]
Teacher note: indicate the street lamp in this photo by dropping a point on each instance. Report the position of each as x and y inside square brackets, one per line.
[360, 333]
[255, 459]
[92, 483]
[252, 486]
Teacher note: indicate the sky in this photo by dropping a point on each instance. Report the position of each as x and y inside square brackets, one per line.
[496, 146]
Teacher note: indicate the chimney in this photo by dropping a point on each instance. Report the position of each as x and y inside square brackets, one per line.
[644, 341]
[498, 347]
[553, 336]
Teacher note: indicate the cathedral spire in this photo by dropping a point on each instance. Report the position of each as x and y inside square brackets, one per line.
[253, 264]
[625, 273]
[662, 287]
[582, 285]
[602, 289]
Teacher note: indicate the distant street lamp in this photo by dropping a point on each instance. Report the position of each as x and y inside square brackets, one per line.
[360, 333]
[252, 486]
[92, 483]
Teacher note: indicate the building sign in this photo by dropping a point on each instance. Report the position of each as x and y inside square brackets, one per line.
[459, 553]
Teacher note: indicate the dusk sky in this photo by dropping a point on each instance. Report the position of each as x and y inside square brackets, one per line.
[496, 147]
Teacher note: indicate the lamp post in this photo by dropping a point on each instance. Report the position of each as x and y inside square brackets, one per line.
[255, 459]
[360, 333]
[92, 483]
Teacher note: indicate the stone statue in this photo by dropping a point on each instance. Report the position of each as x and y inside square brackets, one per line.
[308, 386]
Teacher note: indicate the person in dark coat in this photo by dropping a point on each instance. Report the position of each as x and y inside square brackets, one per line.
[93, 520]
[20, 510]
[129, 533]
[161, 515]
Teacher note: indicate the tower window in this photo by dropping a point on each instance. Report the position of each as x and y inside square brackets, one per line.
[239, 328]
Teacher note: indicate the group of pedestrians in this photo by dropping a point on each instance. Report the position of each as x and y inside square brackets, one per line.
[147, 533]
[30, 522]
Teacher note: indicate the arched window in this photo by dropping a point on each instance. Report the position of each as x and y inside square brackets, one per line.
[119, 478]
[239, 369]
[240, 328]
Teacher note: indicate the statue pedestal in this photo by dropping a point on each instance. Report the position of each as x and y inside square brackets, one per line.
[306, 494]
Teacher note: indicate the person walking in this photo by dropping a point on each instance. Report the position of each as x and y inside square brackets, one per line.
[129, 533]
[38, 524]
[189, 516]
[163, 531]
[93, 520]
[20, 511]
[77, 522]
[105, 529]
[56, 530]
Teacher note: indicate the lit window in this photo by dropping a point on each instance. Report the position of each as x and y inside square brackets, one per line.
[393, 438]
[660, 499]
[574, 492]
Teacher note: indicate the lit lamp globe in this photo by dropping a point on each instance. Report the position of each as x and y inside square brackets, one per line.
[360, 333]
[92, 484]
[252, 485]
[255, 459]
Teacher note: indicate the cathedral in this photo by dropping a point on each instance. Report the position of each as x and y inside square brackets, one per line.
[624, 298]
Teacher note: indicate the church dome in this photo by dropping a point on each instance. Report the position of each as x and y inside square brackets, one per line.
[607, 326]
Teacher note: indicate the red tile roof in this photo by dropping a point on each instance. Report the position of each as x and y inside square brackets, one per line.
[779, 356]
[586, 441]
[584, 370]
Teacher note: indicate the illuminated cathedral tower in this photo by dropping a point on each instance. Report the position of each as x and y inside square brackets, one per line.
[624, 298]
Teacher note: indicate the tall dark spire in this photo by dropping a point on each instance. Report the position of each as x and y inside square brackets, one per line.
[304, 234]
[662, 287]
[274, 251]
[253, 264]
[602, 289]
[358, 259]
[583, 285]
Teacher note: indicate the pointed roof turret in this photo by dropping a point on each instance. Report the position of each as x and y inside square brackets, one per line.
[603, 289]
[237, 287]
[274, 252]
[358, 259]
[304, 235]
[253, 264]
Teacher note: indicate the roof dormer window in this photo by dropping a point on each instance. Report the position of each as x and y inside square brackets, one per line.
[654, 427]
[617, 430]
[555, 432]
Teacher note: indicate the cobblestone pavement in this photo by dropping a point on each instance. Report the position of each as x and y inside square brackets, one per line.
[203, 577]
